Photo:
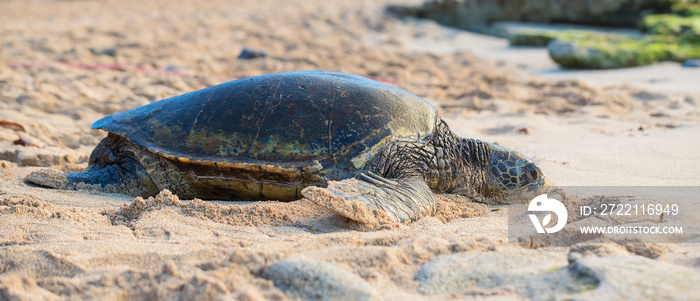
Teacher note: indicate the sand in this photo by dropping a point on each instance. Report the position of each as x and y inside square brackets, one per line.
[65, 64]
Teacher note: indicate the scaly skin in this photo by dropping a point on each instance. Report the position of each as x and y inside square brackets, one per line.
[451, 164]
[398, 184]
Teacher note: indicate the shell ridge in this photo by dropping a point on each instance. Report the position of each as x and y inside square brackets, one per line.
[268, 108]
[196, 119]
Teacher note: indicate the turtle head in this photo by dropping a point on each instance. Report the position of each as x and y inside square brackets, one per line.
[512, 173]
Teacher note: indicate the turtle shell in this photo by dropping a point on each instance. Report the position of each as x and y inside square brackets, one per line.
[316, 119]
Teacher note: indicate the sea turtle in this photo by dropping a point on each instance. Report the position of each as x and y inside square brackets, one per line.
[342, 140]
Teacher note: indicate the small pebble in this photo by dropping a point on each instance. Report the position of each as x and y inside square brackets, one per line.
[24, 142]
[249, 53]
[110, 51]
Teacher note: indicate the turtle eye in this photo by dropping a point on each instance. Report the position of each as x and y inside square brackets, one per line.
[532, 172]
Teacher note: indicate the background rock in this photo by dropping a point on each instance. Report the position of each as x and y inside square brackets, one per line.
[477, 13]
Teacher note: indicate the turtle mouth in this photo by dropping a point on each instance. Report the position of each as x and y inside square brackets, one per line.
[535, 187]
[528, 191]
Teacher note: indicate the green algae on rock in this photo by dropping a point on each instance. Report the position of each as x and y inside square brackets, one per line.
[607, 51]
[536, 38]
[685, 29]
[671, 28]
[586, 49]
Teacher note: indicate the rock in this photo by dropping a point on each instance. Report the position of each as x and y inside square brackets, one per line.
[312, 280]
[24, 142]
[569, 55]
[110, 51]
[681, 27]
[669, 36]
[249, 53]
[606, 52]
[692, 63]
[475, 14]
[531, 38]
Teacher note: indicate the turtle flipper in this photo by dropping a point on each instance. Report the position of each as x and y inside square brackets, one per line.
[370, 198]
[110, 178]
[113, 167]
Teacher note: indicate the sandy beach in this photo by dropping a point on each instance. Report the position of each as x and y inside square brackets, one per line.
[66, 64]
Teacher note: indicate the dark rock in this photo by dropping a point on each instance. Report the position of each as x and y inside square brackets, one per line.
[607, 52]
[473, 14]
[692, 63]
[249, 53]
[24, 142]
[110, 51]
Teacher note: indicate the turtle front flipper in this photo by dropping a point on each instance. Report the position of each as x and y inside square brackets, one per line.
[370, 198]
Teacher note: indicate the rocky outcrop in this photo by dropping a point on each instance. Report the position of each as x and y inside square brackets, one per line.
[473, 14]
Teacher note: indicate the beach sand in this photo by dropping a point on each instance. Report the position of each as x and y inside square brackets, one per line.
[65, 64]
